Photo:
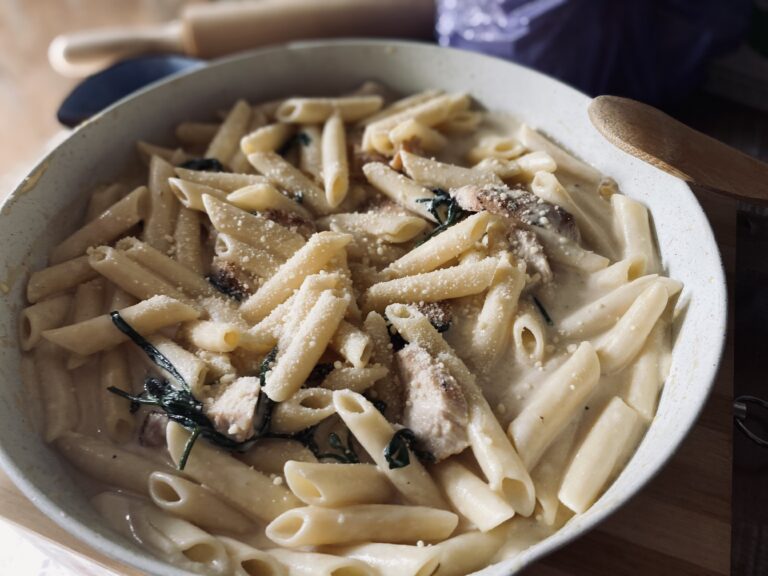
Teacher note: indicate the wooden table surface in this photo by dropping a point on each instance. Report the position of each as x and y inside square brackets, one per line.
[678, 525]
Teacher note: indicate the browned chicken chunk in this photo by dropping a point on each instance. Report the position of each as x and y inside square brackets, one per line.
[438, 313]
[232, 407]
[435, 407]
[291, 221]
[520, 205]
[526, 246]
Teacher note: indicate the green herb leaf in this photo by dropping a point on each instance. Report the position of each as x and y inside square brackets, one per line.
[203, 165]
[396, 453]
[157, 357]
[452, 213]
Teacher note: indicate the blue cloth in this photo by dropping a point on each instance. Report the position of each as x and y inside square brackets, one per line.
[651, 50]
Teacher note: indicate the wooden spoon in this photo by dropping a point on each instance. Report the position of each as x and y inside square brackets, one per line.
[662, 141]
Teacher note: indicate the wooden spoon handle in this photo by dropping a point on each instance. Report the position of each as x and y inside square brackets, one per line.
[662, 141]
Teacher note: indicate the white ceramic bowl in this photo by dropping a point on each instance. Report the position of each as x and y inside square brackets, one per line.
[101, 149]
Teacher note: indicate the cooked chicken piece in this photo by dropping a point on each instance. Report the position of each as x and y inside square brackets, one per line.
[435, 407]
[526, 246]
[439, 314]
[231, 408]
[152, 431]
[520, 205]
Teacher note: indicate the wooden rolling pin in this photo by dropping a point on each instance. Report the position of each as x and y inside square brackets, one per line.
[209, 30]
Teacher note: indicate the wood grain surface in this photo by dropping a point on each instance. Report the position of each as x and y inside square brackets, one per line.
[679, 525]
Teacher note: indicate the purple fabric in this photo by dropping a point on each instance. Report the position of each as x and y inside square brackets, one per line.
[652, 50]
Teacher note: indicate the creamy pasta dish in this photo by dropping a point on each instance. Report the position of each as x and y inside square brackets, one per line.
[353, 335]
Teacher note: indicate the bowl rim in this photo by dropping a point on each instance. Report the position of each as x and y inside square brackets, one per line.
[114, 549]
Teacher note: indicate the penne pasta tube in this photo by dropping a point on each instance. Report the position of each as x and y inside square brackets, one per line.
[226, 182]
[442, 248]
[119, 422]
[190, 194]
[57, 391]
[270, 455]
[470, 496]
[316, 110]
[314, 564]
[399, 189]
[502, 147]
[103, 199]
[493, 328]
[632, 222]
[129, 275]
[308, 260]
[356, 379]
[225, 143]
[529, 336]
[429, 113]
[394, 559]
[372, 430]
[557, 401]
[468, 552]
[548, 473]
[254, 261]
[42, 316]
[305, 408]
[433, 174]
[239, 161]
[599, 455]
[334, 161]
[565, 251]
[174, 539]
[337, 485]
[195, 503]
[265, 197]
[352, 344]
[412, 130]
[109, 464]
[114, 221]
[443, 284]
[59, 278]
[163, 206]
[166, 267]
[305, 298]
[648, 373]
[393, 228]
[187, 240]
[99, 333]
[464, 122]
[400, 105]
[315, 526]
[295, 364]
[248, 561]
[212, 336]
[617, 274]
[266, 138]
[255, 230]
[565, 161]
[596, 316]
[249, 491]
[619, 346]
[289, 178]
[497, 458]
